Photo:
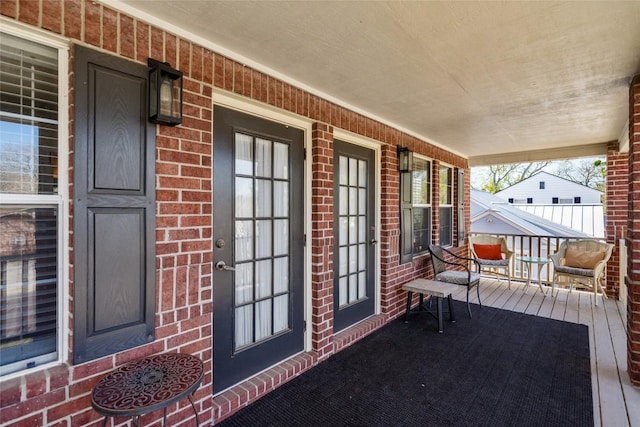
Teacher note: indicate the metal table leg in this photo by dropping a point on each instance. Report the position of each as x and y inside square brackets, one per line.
[406, 314]
[439, 304]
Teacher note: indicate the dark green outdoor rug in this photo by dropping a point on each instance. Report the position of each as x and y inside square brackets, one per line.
[498, 369]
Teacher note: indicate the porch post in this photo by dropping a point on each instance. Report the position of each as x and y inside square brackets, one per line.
[322, 240]
[617, 212]
[633, 236]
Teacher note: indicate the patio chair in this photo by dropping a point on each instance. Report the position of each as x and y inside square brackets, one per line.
[455, 270]
[492, 254]
[582, 261]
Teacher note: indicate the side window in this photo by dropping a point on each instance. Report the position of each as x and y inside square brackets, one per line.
[446, 205]
[415, 216]
[541, 185]
[32, 214]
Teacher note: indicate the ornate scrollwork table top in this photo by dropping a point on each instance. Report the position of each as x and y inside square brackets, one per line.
[147, 384]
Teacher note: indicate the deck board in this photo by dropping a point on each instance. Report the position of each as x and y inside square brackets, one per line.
[615, 401]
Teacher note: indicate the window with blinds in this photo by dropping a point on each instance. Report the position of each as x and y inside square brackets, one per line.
[446, 205]
[415, 210]
[421, 203]
[29, 203]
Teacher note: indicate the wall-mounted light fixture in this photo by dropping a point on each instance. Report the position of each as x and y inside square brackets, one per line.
[165, 93]
[405, 159]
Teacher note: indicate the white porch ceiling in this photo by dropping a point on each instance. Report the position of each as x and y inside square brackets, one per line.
[492, 81]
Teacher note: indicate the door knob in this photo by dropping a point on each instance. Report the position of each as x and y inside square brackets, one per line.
[221, 266]
[373, 241]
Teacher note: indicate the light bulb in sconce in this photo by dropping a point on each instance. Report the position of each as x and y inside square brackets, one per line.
[165, 96]
[165, 93]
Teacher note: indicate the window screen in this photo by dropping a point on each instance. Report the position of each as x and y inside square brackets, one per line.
[28, 229]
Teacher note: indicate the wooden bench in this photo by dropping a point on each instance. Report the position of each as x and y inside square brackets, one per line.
[432, 288]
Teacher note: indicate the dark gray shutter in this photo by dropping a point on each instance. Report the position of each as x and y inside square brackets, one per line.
[406, 218]
[461, 224]
[114, 204]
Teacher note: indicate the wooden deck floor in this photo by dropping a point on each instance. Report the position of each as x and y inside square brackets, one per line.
[616, 402]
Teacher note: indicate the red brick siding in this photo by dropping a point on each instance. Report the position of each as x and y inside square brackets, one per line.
[389, 244]
[633, 242]
[60, 395]
[322, 240]
[617, 212]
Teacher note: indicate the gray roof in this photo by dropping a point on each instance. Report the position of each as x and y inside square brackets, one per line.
[490, 214]
[587, 218]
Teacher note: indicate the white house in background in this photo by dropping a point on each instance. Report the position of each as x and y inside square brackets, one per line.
[559, 200]
[547, 189]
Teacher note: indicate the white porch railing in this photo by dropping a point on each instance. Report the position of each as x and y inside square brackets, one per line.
[542, 247]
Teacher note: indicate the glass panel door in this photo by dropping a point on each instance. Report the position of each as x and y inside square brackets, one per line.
[354, 229]
[261, 285]
[258, 245]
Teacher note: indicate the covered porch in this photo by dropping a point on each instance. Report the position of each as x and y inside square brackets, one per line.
[280, 199]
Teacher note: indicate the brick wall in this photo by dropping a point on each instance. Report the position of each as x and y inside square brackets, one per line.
[61, 395]
[617, 212]
[322, 240]
[633, 242]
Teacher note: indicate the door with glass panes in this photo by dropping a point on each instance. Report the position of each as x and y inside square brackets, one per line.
[355, 234]
[258, 245]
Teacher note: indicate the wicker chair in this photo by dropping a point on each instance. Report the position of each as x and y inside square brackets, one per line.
[462, 275]
[498, 267]
[582, 261]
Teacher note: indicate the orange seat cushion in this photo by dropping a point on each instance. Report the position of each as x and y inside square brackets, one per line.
[582, 259]
[488, 251]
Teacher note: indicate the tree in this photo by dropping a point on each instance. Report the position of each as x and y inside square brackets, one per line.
[498, 177]
[589, 172]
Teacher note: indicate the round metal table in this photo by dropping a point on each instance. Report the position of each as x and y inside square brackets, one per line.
[146, 385]
[530, 261]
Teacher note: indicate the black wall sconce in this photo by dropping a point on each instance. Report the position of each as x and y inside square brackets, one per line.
[165, 93]
[405, 159]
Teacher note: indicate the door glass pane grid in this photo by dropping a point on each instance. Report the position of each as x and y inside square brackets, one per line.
[261, 284]
[352, 229]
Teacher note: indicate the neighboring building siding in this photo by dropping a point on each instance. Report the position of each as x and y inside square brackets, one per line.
[529, 191]
[61, 395]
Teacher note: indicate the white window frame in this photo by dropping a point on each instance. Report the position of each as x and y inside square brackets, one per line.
[60, 200]
[428, 205]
